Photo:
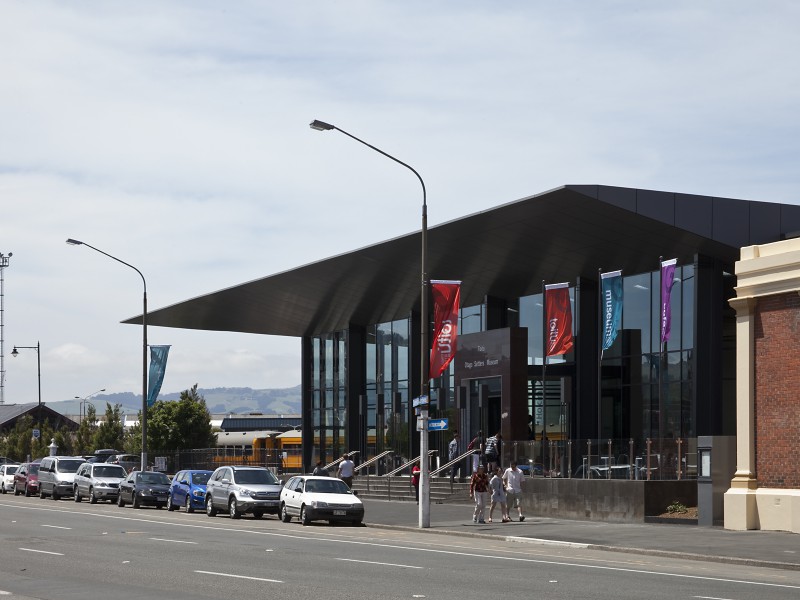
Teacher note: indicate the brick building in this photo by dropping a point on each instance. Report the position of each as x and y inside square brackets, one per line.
[765, 491]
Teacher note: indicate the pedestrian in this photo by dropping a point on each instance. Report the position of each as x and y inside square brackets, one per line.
[476, 445]
[479, 491]
[415, 481]
[498, 495]
[513, 477]
[492, 452]
[319, 470]
[346, 470]
[452, 454]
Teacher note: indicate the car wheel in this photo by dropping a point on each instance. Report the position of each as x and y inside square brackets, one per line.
[120, 501]
[16, 491]
[170, 505]
[42, 495]
[210, 510]
[77, 495]
[189, 507]
[233, 509]
[55, 495]
[28, 492]
[285, 516]
[92, 497]
[304, 520]
[135, 502]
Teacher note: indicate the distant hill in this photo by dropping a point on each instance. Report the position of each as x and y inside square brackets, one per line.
[219, 400]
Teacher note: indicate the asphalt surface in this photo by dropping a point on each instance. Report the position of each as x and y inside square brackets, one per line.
[757, 548]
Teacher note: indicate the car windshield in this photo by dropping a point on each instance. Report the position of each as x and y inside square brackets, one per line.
[255, 476]
[109, 471]
[11, 470]
[154, 478]
[200, 478]
[330, 486]
[33, 469]
[69, 466]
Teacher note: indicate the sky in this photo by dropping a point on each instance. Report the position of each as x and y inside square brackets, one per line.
[174, 136]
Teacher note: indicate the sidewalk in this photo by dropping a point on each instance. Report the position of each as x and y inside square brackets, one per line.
[759, 548]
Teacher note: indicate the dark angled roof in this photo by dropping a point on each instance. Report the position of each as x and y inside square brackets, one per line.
[11, 413]
[504, 251]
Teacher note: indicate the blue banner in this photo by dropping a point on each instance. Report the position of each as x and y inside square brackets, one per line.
[611, 306]
[158, 366]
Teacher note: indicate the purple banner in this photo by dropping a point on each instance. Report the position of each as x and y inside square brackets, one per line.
[667, 279]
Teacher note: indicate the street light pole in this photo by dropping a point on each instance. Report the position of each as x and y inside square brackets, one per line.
[84, 401]
[72, 242]
[424, 483]
[4, 262]
[14, 353]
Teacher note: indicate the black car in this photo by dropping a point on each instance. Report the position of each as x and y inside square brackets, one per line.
[148, 488]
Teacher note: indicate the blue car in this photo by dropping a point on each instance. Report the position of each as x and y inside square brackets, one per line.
[188, 488]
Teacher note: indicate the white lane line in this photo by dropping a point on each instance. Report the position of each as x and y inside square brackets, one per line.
[173, 541]
[710, 598]
[239, 576]
[412, 548]
[372, 562]
[41, 551]
[56, 526]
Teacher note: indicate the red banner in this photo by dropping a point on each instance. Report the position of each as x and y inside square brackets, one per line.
[446, 300]
[558, 319]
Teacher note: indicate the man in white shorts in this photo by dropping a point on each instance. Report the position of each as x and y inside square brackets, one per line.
[513, 479]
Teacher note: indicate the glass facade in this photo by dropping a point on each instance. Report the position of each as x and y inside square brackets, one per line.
[328, 417]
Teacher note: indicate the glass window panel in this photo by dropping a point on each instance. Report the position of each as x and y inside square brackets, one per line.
[400, 330]
[328, 363]
[315, 361]
[342, 360]
[637, 307]
[471, 319]
[371, 355]
[531, 315]
[384, 340]
[687, 289]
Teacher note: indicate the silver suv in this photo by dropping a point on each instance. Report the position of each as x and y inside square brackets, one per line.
[98, 481]
[239, 490]
[57, 475]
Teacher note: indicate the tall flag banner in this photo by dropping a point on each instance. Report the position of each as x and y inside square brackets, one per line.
[612, 306]
[446, 300]
[558, 319]
[667, 279]
[158, 366]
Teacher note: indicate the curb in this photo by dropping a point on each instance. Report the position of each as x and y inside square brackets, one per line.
[733, 560]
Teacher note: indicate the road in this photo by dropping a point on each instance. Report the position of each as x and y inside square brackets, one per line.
[59, 549]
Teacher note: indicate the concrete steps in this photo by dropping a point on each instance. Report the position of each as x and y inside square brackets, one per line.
[399, 488]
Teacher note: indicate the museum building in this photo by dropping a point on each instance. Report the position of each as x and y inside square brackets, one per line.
[358, 315]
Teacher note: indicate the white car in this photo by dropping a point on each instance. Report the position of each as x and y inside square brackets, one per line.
[320, 499]
[7, 477]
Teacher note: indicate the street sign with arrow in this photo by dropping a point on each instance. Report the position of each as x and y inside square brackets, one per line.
[437, 424]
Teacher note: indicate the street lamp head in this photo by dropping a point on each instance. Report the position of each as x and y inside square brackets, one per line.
[15, 352]
[321, 125]
[72, 242]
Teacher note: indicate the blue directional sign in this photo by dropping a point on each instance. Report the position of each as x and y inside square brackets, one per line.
[437, 424]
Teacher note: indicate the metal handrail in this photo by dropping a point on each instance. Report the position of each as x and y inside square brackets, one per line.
[447, 465]
[330, 465]
[373, 460]
[411, 462]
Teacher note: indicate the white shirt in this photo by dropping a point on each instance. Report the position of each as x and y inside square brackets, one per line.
[346, 468]
[513, 478]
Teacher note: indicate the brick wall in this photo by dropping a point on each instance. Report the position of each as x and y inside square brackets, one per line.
[777, 391]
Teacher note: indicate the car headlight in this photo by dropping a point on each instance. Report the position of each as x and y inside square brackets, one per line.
[245, 492]
[319, 504]
[197, 493]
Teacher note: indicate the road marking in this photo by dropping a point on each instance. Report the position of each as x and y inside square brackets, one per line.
[56, 527]
[173, 541]
[415, 549]
[239, 576]
[710, 598]
[371, 562]
[41, 551]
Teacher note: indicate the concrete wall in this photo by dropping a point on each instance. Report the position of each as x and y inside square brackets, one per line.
[614, 501]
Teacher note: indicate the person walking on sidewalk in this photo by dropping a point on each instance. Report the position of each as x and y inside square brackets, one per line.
[346, 470]
[513, 477]
[479, 491]
[492, 452]
[476, 445]
[415, 471]
[452, 454]
[498, 495]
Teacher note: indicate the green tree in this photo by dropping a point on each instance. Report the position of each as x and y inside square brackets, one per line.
[184, 424]
[84, 437]
[110, 433]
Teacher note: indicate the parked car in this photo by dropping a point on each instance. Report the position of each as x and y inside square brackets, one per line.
[149, 488]
[239, 490]
[98, 481]
[320, 499]
[188, 489]
[57, 476]
[103, 455]
[130, 462]
[7, 477]
[26, 479]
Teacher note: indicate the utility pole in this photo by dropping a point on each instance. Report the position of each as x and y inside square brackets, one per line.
[4, 258]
